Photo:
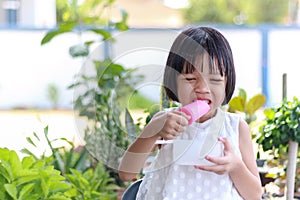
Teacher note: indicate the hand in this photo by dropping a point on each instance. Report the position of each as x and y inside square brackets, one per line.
[169, 125]
[225, 164]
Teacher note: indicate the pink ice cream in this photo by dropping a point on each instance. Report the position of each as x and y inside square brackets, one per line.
[195, 109]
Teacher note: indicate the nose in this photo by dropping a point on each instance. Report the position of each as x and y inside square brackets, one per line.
[201, 85]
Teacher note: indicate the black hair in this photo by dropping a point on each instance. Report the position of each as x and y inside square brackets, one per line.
[192, 43]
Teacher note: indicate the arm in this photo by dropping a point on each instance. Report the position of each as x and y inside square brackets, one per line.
[243, 172]
[245, 175]
[167, 125]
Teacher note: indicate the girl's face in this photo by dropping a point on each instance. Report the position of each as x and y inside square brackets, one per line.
[202, 84]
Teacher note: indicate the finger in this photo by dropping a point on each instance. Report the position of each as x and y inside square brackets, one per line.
[226, 143]
[183, 118]
[180, 128]
[175, 133]
[176, 117]
[171, 134]
[218, 169]
[168, 136]
[217, 160]
[183, 114]
[182, 121]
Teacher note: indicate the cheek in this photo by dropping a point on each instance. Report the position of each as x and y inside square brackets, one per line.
[184, 92]
[219, 92]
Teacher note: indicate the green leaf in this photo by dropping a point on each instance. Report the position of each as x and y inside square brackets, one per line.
[58, 186]
[3, 194]
[130, 126]
[69, 26]
[72, 193]
[105, 34]
[66, 140]
[50, 35]
[39, 164]
[46, 131]
[44, 186]
[59, 161]
[243, 94]
[15, 163]
[6, 171]
[30, 177]
[124, 14]
[11, 189]
[115, 69]
[63, 28]
[104, 196]
[69, 159]
[58, 197]
[30, 141]
[255, 103]
[112, 187]
[4, 154]
[36, 136]
[79, 50]
[26, 151]
[79, 179]
[4, 175]
[81, 161]
[122, 26]
[26, 190]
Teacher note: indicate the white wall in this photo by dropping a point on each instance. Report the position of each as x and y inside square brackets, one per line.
[37, 13]
[26, 68]
[284, 58]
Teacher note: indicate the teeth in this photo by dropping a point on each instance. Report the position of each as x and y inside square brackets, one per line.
[205, 100]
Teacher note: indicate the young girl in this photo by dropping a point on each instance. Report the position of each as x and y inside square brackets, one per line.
[199, 67]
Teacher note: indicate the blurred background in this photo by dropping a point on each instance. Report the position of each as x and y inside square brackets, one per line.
[70, 68]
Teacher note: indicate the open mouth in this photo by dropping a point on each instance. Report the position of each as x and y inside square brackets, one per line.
[206, 100]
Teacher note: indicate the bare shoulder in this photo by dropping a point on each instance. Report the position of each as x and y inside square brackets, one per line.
[246, 147]
[245, 139]
[243, 127]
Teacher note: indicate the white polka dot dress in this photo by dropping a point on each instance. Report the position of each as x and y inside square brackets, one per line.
[169, 181]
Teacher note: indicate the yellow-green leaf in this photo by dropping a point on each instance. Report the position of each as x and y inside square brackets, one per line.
[25, 191]
[11, 189]
[237, 103]
[255, 103]
[269, 113]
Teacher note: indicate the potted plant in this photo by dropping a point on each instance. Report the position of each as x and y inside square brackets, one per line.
[281, 132]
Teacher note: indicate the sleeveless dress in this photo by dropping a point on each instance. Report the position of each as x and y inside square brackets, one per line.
[165, 179]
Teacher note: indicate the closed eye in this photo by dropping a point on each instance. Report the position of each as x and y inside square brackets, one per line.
[216, 80]
[190, 79]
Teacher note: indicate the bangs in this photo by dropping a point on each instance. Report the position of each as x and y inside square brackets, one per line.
[202, 60]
